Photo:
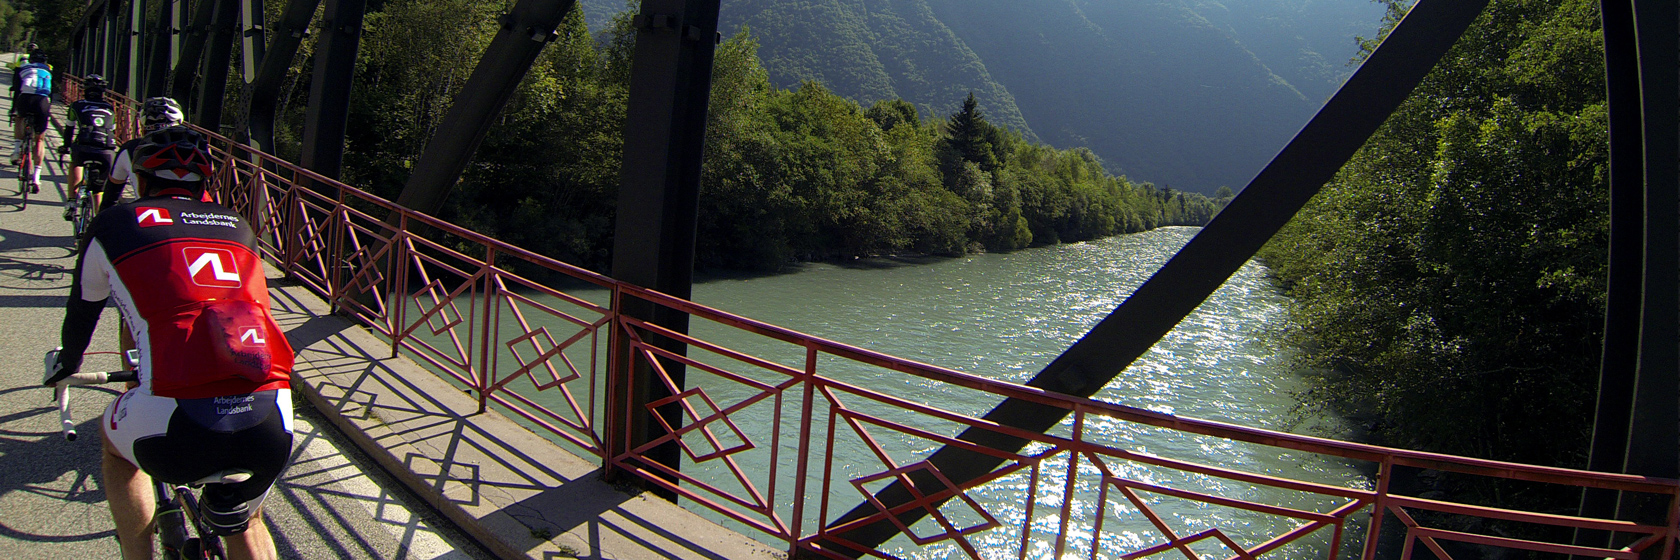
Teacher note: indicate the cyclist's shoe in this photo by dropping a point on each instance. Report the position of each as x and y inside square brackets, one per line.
[34, 188]
[69, 209]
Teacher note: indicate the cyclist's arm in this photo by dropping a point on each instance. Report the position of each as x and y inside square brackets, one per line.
[89, 289]
[121, 167]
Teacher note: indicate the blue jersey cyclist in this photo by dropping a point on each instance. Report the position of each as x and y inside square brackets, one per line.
[214, 391]
[31, 107]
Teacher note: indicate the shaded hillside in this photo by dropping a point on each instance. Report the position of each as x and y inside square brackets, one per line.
[1189, 93]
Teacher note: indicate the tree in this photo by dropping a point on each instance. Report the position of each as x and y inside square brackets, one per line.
[1448, 284]
[969, 138]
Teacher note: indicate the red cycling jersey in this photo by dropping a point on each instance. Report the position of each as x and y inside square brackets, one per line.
[188, 280]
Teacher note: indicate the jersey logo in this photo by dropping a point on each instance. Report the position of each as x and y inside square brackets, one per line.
[252, 335]
[148, 216]
[212, 268]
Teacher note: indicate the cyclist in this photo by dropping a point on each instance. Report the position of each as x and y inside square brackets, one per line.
[93, 139]
[156, 113]
[214, 390]
[23, 58]
[31, 91]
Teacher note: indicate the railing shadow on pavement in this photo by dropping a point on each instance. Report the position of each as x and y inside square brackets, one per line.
[34, 466]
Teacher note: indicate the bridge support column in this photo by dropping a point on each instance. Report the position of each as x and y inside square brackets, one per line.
[1233, 237]
[217, 62]
[658, 203]
[113, 38]
[329, 87]
[253, 39]
[192, 39]
[262, 93]
[99, 50]
[155, 75]
[1637, 425]
[127, 67]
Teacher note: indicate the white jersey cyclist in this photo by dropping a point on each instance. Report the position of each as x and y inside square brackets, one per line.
[214, 374]
[156, 113]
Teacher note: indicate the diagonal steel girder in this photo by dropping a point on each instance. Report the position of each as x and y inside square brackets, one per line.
[1297, 173]
[262, 94]
[524, 32]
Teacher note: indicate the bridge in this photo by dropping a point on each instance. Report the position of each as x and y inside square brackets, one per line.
[833, 467]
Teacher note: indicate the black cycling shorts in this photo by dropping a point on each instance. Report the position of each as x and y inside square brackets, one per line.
[36, 110]
[80, 154]
[183, 440]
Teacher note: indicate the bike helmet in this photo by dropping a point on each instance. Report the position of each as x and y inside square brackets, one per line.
[176, 153]
[160, 112]
[94, 85]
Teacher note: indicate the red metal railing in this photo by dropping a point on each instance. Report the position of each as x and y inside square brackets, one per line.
[780, 437]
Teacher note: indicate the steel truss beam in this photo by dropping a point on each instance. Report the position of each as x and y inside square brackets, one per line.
[253, 40]
[658, 204]
[524, 32]
[1637, 425]
[329, 87]
[262, 92]
[128, 77]
[191, 50]
[216, 63]
[159, 57]
[1204, 264]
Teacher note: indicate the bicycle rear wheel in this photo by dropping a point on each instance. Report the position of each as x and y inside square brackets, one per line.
[26, 165]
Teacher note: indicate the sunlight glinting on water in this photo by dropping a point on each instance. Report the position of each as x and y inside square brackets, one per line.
[1006, 316]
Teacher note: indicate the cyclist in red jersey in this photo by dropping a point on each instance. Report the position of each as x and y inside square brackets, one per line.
[214, 388]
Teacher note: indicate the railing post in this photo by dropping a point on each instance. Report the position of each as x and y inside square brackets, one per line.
[486, 359]
[1373, 533]
[803, 470]
[399, 289]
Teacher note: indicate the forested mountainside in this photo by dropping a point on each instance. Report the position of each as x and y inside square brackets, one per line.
[1191, 94]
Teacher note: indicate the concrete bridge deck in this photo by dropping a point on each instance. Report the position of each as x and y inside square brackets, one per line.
[459, 485]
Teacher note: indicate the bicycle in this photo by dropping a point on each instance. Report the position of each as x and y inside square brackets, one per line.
[183, 532]
[82, 212]
[26, 166]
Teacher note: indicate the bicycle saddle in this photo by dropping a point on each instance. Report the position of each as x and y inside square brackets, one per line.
[228, 476]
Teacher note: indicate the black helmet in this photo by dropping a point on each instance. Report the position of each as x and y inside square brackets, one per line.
[176, 153]
[160, 112]
[94, 85]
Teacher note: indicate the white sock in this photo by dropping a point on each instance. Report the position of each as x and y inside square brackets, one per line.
[35, 175]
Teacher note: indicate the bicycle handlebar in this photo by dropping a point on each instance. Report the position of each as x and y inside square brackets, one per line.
[61, 391]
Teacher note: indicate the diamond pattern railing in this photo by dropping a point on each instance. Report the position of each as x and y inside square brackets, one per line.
[780, 430]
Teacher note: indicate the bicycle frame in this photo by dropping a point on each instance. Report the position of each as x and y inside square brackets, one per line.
[27, 161]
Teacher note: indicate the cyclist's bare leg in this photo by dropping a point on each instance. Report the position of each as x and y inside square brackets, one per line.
[75, 179]
[40, 155]
[128, 492]
[254, 544]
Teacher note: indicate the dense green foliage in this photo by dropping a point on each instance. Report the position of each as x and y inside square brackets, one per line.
[1449, 283]
[789, 175]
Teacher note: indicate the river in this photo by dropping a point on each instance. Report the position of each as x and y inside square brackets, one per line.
[1006, 316]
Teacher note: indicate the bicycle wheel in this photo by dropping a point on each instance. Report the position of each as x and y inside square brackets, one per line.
[26, 165]
[82, 220]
